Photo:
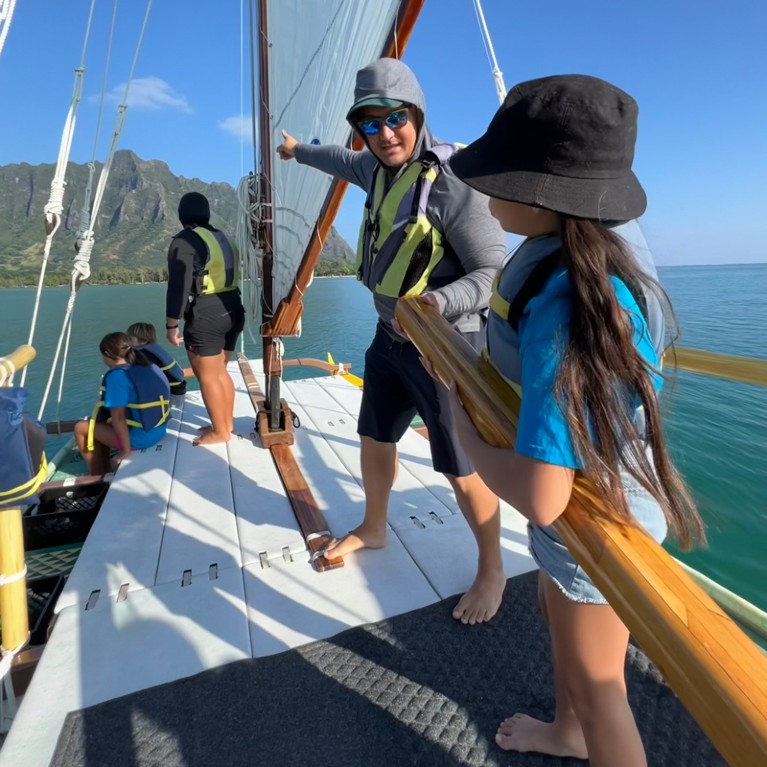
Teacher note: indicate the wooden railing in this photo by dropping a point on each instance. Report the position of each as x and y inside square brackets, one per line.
[718, 673]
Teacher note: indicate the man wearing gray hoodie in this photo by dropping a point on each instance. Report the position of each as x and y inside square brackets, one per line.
[424, 233]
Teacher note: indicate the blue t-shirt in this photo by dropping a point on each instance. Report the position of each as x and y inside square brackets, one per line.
[543, 432]
[119, 392]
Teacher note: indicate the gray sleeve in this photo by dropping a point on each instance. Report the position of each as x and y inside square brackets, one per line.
[346, 164]
[462, 214]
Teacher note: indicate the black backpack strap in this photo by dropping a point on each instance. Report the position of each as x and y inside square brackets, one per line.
[532, 286]
[538, 278]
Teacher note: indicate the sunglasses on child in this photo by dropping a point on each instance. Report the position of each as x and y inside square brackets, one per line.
[370, 126]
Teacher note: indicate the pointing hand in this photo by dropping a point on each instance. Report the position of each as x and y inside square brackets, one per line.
[287, 149]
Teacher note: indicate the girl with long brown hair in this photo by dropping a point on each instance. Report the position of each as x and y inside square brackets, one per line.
[576, 321]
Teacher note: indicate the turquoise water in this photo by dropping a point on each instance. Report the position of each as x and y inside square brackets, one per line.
[717, 429]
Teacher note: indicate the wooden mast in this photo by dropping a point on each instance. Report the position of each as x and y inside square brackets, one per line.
[272, 357]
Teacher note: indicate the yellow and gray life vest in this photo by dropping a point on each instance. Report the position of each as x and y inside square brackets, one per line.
[510, 295]
[152, 408]
[525, 275]
[172, 370]
[398, 246]
[219, 273]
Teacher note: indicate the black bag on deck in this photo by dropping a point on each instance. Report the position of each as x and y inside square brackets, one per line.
[22, 449]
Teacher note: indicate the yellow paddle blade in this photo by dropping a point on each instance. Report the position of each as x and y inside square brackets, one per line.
[351, 378]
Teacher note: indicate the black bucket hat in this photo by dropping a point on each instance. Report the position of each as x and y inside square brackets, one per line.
[565, 143]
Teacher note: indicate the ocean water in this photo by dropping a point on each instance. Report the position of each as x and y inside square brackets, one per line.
[717, 429]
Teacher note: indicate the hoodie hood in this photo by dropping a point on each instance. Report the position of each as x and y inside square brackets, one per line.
[391, 80]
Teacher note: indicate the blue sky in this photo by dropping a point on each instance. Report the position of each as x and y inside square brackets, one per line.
[696, 68]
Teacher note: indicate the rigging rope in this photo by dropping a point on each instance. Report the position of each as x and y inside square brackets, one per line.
[500, 86]
[85, 210]
[55, 205]
[6, 14]
[81, 269]
[247, 197]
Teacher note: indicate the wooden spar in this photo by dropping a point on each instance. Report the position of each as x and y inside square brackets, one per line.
[744, 369]
[13, 594]
[310, 518]
[288, 313]
[60, 427]
[13, 583]
[334, 368]
[16, 360]
[716, 670]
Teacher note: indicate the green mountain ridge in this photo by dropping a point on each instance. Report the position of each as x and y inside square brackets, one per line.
[136, 222]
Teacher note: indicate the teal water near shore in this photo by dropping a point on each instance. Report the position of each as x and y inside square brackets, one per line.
[717, 429]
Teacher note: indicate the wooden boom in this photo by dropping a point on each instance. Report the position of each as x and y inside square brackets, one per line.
[719, 674]
[744, 369]
[16, 360]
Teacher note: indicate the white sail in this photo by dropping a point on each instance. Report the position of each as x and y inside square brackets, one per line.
[312, 67]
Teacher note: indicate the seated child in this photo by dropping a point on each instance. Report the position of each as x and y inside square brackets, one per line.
[133, 410]
[144, 338]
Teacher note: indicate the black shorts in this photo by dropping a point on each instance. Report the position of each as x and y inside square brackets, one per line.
[396, 387]
[213, 323]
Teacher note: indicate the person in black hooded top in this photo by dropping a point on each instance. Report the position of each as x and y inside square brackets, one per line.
[202, 288]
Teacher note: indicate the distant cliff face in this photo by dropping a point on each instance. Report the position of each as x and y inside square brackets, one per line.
[137, 219]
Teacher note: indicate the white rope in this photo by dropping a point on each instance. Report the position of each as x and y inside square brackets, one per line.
[6, 14]
[7, 660]
[500, 86]
[81, 269]
[62, 377]
[85, 211]
[55, 205]
[6, 579]
[116, 133]
[8, 655]
[64, 330]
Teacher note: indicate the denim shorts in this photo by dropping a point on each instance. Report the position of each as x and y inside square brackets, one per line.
[553, 557]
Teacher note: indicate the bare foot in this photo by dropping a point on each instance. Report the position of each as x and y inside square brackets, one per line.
[360, 538]
[208, 427]
[523, 733]
[211, 438]
[481, 602]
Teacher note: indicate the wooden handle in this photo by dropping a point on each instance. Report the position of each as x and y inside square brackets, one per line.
[716, 670]
[16, 360]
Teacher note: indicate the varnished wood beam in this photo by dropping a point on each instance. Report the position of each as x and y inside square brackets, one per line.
[310, 518]
[716, 670]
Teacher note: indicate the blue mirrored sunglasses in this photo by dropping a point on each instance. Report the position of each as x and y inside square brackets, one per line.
[372, 125]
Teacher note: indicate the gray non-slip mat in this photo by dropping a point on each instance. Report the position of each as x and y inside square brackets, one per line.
[418, 689]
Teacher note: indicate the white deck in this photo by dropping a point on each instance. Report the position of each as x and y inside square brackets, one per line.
[198, 560]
